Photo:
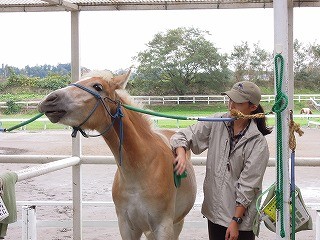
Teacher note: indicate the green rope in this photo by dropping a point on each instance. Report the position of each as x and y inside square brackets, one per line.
[23, 123]
[154, 113]
[281, 102]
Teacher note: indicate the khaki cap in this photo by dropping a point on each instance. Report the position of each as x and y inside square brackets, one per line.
[244, 92]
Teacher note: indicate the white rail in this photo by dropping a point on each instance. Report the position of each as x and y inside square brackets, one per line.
[67, 223]
[315, 104]
[51, 162]
[156, 120]
[180, 99]
[42, 169]
[313, 123]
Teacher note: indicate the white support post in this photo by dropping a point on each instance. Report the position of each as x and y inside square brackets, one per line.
[283, 39]
[29, 223]
[318, 225]
[76, 142]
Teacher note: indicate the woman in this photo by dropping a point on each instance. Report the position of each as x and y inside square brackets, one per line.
[237, 158]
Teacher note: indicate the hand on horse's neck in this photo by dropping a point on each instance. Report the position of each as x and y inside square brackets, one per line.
[239, 125]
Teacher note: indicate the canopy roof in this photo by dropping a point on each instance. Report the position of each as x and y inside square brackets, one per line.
[111, 5]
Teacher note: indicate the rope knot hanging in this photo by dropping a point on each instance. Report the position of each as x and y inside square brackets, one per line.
[281, 100]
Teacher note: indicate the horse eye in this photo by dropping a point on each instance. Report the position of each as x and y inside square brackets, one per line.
[98, 87]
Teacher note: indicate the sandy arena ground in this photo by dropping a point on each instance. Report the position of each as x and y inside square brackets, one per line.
[97, 184]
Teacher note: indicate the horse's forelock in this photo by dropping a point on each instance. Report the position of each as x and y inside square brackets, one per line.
[104, 74]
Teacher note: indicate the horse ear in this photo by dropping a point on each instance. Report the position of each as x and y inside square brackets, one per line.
[121, 80]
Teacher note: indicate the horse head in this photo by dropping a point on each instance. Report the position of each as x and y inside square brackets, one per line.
[85, 103]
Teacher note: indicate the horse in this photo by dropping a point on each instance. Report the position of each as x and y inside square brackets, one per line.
[305, 111]
[144, 194]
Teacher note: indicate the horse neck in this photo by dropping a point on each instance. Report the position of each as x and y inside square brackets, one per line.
[139, 140]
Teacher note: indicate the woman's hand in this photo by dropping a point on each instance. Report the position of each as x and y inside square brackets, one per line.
[232, 231]
[180, 160]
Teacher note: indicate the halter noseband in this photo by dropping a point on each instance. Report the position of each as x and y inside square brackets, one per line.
[118, 115]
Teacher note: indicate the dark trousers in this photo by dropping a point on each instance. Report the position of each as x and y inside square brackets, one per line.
[218, 232]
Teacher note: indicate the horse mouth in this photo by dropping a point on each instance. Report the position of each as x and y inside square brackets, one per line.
[55, 116]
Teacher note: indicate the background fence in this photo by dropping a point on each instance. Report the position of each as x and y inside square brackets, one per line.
[187, 99]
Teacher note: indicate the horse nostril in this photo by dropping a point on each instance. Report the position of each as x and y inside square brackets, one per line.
[50, 100]
[52, 97]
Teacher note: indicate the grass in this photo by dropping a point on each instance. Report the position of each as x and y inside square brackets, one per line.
[194, 110]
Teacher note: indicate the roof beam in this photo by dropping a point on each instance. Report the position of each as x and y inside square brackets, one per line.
[67, 5]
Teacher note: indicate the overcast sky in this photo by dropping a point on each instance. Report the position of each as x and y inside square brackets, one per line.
[110, 39]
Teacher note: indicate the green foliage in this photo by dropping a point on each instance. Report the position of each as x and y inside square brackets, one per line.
[20, 97]
[307, 66]
[53, 82]
[251, 64]
[180, 61]
[12, 108]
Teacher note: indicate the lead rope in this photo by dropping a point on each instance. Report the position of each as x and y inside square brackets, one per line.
[281, 102]
[293, 127]
[21, 124]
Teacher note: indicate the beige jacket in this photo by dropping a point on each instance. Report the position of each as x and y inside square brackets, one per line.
[230, 176]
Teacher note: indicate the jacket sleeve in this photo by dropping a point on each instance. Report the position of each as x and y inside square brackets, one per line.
[250, 181]
[195, 137]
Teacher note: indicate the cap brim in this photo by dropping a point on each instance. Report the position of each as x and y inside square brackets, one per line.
[235, 96]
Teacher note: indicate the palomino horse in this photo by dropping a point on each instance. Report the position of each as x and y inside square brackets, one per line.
[144, 193]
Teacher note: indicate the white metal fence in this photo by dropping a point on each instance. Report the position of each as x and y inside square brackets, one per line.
[156, 120]
[205, 99]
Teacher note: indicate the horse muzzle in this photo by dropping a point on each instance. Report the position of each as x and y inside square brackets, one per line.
[50, 107]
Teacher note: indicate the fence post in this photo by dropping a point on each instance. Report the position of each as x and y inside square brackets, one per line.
[76, 142]
[318, 225]
[29, 223]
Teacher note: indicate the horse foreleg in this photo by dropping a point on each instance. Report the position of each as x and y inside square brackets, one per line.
[127, 231]
[163, 231]
[177, 227]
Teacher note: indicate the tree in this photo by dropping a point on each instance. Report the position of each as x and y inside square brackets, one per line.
[307, 65]
[240, 59]
[261, 64]
[253, 65]
[300, 55]
[180, 61]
